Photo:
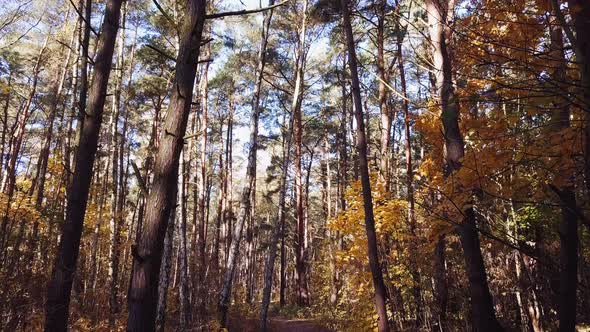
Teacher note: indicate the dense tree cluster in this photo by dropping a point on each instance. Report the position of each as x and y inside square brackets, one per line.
[390, 165]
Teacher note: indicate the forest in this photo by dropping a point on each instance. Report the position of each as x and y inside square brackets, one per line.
[295, 165]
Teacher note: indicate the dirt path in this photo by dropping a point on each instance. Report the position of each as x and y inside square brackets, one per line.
[276, 324]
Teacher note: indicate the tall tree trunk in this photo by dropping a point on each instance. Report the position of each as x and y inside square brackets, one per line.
[332, 237]
[185, 317]
[63, 144]
[301, 241]
[440, 287]
[441, 292]
[530, 315]
[283, 268]
[223, 199]
[342, 180]
[246, 198]
[482, 307]
[380, 292]
[568, 260]
[143, 290]
[416, 288]
[7, 96]
[60, 286]
[560, 120]
[94, 256]
[116, 184]
[251, 248]
[579, 12]
[229, 210]
[165, 268]
[147, 168]
[123, 174]
[85, 56]
[382, 95]
[203, 179]
[277, 230]
[220, 205]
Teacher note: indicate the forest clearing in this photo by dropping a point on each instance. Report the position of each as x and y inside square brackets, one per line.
[295, 165]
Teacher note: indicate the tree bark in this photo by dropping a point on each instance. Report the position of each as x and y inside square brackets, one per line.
[579, 12]
[482, 307]
[560, 120]
[60, 286]
[143, 290]
[380, 292]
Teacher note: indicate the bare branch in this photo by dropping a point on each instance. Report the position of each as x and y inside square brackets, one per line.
[170, 57]
[562, 21]
[162, 53]
[140, 180]
[163, 12]
[83, 18]
[243, 12]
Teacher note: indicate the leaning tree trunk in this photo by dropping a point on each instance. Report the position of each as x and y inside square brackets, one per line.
[482, 307]
[60, 286]
[39, 179]
[84, 60]
[147, 255]
[9, 181]
[17, 141]
[245, 204]
[378, 283]
[53, 103]
[277, 232]
[57, 90]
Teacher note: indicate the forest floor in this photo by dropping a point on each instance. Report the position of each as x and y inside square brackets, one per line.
[276, 324]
